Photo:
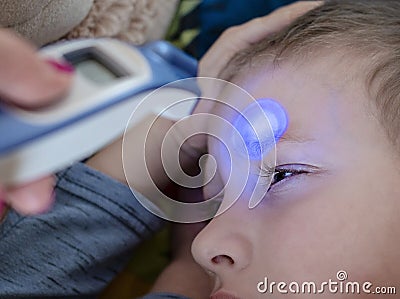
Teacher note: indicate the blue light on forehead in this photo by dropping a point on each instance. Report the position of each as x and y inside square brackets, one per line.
[258, 135]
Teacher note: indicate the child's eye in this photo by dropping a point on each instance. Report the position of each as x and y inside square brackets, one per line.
[280, 175]
[283, 173]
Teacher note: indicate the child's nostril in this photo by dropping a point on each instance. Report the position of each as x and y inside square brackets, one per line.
[221, 259]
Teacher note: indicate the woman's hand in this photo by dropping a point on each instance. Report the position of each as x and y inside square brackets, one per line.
[28, 82]
[238, 38]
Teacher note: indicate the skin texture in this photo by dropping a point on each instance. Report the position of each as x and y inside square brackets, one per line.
[29, 82]
[340, 214]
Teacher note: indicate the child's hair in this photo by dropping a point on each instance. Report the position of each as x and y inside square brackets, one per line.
[369, 29]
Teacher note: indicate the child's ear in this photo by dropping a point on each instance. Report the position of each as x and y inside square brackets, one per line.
[44, 21]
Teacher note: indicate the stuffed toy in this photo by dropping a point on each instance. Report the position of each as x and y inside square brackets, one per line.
[46, 21]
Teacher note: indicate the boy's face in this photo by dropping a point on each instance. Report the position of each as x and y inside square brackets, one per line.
[334, 204]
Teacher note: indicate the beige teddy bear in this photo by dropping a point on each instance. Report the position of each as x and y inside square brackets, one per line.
[46, 21]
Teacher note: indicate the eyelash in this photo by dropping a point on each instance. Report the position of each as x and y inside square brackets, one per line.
[267, 171]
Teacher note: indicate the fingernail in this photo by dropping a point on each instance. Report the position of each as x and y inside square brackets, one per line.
[61, 66]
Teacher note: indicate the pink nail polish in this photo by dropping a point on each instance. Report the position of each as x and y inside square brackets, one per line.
[61, 66]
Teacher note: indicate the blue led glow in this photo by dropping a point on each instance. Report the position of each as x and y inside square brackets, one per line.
[259, 135]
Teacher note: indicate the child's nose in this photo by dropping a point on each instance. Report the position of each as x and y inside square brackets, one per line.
[223, 246]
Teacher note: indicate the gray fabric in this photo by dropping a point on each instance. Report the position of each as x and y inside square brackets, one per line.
[43, 21]
[80, 245]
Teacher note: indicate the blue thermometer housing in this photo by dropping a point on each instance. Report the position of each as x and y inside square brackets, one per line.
[111, 79]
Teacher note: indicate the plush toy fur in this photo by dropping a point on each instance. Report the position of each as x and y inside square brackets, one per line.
[135, 21]
[45, 21]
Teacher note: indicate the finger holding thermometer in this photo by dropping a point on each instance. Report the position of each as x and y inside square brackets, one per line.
[111, 79]
[38, 84]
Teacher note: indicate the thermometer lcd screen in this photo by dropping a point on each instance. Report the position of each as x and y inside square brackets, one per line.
[94, 65]
[95, 71]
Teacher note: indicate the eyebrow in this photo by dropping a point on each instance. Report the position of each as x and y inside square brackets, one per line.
[292, 138]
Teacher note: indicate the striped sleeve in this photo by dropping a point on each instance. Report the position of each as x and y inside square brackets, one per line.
[78, 247]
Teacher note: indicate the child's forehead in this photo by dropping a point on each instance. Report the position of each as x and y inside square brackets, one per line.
[320, 97]
[312, 84]
[336, 66]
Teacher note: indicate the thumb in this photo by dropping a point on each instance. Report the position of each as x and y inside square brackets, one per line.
[25, 79]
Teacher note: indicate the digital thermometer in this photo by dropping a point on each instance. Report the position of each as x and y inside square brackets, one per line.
[111, 79]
